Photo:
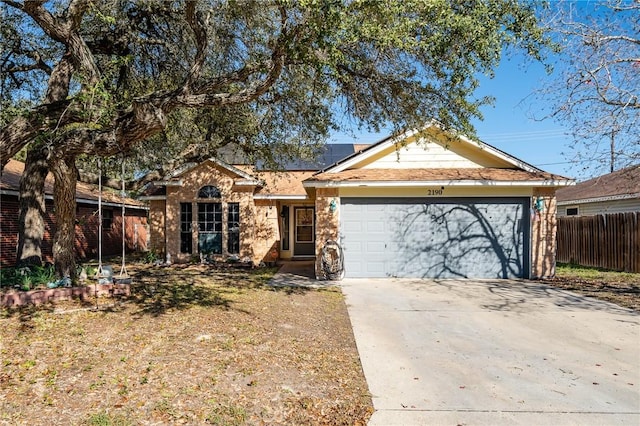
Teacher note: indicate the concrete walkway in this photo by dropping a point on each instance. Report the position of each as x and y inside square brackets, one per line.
[298, 273]
[490, 353]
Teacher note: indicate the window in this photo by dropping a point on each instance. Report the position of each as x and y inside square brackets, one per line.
[304, 225]
[209, 191]
[186, 236]
[107, 219]
[210, 228]
[571, 211]
[285, 227]
[233, 228]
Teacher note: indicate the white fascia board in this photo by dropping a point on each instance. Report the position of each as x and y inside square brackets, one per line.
[247, 182]
[153, 198]
[501, 155]
[379, 184]
[599, 199]
[381, 146]
[280, 197]
[109, 204]
[81, 200]
[168, 182]
[406, 135]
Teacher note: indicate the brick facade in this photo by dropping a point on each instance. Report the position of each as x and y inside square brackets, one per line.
[86, 244]
[327, 221]
[543, 234]
[209, 174]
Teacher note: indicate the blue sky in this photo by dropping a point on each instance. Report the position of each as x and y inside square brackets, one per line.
[508, 124]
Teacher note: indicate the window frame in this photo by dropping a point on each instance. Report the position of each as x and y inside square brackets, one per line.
[576, 208]
[210, 227]
[233, 232]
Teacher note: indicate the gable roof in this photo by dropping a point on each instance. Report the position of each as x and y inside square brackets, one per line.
[282, 185]
[372, 166]
[85, 192]
[398, 140]
[622, 184]
[235, 170]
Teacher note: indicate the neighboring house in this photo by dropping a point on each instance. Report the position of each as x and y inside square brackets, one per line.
[616, 192]
[422, 204]
[86, 244]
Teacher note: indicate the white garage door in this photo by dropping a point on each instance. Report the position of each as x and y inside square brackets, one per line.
[444, 238]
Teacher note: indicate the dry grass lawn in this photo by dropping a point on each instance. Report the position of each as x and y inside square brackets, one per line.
[193, 345]
[620, 288]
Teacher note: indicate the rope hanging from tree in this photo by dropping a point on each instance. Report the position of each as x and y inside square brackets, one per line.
[123, 277]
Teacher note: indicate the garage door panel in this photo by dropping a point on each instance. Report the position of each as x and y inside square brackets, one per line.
[440, 239]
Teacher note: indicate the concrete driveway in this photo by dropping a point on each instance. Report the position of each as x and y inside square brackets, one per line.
[494, 352]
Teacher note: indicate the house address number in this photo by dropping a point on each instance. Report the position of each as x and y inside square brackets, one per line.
[435, 191]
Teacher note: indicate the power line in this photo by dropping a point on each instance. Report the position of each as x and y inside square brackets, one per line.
[555, 164]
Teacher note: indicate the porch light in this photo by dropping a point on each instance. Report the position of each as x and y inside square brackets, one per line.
[333, 205]
[540, 204]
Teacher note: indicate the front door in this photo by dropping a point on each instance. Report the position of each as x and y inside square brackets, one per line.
[304, 231]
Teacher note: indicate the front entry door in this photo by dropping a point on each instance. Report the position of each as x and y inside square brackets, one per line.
[304, 231]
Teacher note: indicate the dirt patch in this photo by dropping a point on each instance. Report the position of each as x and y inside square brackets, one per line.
[192, 345]
[621, 289]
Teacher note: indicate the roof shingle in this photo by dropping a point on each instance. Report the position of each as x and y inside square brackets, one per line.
[458, 174]
[621, 182]
[13, 170]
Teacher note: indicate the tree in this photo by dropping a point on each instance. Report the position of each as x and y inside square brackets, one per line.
[118, 72]
[597, 88]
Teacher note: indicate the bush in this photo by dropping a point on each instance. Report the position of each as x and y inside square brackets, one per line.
[27, 277]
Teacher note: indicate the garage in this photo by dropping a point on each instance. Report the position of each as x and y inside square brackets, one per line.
[436, 238]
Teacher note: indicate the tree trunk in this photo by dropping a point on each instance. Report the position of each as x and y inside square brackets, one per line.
[31, 222]
[64, 196]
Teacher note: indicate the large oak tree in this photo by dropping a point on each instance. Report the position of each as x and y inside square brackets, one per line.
[106, 77]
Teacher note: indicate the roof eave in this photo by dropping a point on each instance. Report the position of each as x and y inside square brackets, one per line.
[599, 199]
[168, 182]
[382, 184]
[280, 197]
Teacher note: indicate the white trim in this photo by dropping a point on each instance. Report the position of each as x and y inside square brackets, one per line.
[500, 154]
[247, 182]
[392, 140]
[153, 198]
[566, 213]
[600, 199]
[81, 200]
[168, 182]
[110, 204]
[220, 163]
[280, 197]
[369, 152]
[343, 184]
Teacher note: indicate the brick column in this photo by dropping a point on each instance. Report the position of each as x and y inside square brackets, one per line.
[327, 222]
[543, 234]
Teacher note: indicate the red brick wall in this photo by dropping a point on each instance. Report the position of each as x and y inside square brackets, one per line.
[86, 244]
[8, 229]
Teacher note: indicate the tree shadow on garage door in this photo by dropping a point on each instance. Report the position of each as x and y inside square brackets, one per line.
[461, 240]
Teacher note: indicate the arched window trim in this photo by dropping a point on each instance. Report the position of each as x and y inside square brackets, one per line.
[209, 191]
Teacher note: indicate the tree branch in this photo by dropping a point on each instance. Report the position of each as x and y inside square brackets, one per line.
[198, 26]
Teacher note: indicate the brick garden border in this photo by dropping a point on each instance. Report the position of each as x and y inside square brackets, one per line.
[38, 297]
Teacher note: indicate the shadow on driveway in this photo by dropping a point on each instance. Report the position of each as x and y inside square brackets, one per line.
[494, 352]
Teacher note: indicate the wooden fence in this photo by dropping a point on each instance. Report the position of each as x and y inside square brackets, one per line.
[609, 241]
